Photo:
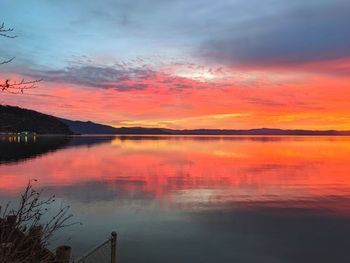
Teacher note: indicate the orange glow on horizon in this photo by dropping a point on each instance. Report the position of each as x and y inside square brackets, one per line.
[286, 101]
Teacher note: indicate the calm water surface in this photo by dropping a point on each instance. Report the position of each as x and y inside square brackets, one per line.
[194, 199]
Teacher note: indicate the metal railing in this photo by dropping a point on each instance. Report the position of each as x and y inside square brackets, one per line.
[106, 252]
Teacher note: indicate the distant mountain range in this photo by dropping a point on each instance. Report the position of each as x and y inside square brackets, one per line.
[88, 127]
[80, 127]
[15, 119]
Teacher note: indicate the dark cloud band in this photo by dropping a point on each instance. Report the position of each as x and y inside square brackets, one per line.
[314, 33]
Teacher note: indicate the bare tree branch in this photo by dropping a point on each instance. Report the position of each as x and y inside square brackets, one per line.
[6, 32]
[14, 87]
[7, 61]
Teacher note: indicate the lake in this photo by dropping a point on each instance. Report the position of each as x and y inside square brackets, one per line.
[194, 198]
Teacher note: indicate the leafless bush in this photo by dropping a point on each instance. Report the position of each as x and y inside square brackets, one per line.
[25, 233]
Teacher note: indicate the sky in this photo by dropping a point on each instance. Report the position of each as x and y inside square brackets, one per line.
[183, 64]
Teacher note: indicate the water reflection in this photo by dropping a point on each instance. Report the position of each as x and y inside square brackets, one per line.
[17, 148]
[187, 169]
[202, 199]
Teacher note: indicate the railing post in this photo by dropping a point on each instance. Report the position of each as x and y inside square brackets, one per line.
[114, 247]
[63, 254]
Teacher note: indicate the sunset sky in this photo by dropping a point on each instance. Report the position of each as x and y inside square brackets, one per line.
[232, 64]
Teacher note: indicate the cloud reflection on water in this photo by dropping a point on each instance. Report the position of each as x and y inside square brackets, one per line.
[223, 199]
